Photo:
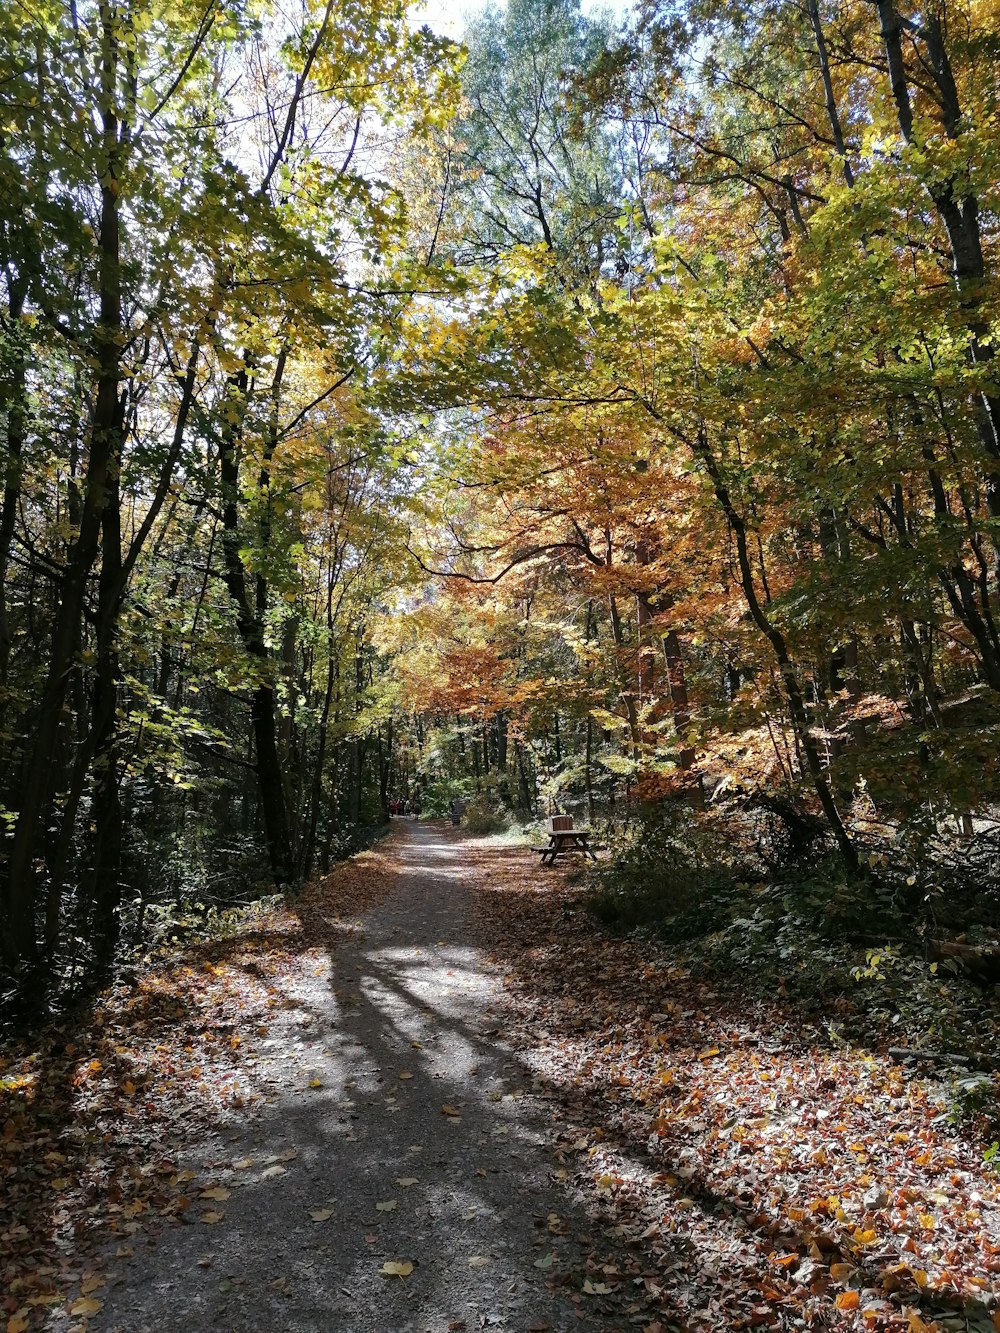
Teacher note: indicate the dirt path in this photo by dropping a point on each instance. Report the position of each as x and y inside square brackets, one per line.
[356, 1163]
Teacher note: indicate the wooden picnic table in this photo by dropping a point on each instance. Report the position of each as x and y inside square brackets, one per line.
[566, 840]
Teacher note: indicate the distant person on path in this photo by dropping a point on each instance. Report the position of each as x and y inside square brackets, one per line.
[406, 807]
[458, 808]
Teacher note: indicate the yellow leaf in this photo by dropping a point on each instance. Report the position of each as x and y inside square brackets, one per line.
[321, 1214]
[85, 1305]
[405, 1075]
[478, 1261]
[210, 1219]
[396, 1269]
[217, 1192]
[18, 1323]
[315, 1083]
[848, 1300]
[841, 1272]
[128, 1087]
[93, 1284]
[450, 1110]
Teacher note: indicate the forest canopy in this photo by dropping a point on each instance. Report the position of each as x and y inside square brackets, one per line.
[592, 414]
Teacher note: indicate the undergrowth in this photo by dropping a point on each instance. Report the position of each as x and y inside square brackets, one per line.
[847, 949]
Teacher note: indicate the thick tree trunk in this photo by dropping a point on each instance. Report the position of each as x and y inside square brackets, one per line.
[19, 940]
[106, 811]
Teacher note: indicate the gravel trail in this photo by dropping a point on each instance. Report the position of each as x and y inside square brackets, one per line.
[354, 1163]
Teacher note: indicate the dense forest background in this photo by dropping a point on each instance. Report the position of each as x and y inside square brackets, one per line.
[600, 415]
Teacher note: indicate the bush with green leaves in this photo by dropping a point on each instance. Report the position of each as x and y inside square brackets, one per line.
[805, 933]
[483, 818]
[662, 874]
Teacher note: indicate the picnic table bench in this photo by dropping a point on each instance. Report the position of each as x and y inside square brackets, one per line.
[563, 837]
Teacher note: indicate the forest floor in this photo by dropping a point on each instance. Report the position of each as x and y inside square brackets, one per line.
[432, 1095]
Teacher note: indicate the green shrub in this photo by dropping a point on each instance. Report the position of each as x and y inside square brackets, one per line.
[481, 818]
[663, 875]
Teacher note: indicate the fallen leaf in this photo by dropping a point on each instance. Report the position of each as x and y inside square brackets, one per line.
[450, 1110]
[243, 1164]
[396, 1268]
[321, 1214]
[18, 1322]
[387, 1207]
[545, 1262]
[405, 1075]
[210, 1219]
[85, 1305]
[218, 1192]
[478, 1261]
[848, 1300]
[272, 1171]
[315, 1083]
[406, 1180]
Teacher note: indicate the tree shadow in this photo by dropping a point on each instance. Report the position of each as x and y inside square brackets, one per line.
[678, 1161]
[391, 1089]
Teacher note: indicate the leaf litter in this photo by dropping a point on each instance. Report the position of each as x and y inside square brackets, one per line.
[739, 1172]
[96, 1110]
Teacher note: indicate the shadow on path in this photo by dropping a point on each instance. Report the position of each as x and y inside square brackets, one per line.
[354, 1162]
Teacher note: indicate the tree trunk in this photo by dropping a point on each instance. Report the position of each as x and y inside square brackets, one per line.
[104, 456]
